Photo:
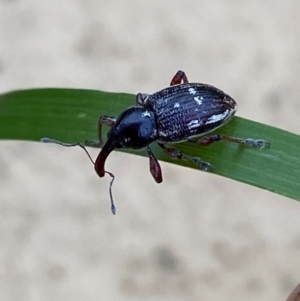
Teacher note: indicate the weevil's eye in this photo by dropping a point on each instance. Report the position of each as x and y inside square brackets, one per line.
[142, 99]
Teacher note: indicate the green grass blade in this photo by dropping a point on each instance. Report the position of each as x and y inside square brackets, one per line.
[71, 115]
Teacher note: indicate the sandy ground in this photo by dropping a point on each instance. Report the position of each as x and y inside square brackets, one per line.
[196, 236]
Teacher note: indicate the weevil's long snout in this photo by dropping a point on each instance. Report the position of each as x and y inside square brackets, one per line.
[100, 161]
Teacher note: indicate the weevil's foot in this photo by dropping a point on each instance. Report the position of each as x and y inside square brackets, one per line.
[259, 143]
[203, 165]
[93, 143]
[46, 140]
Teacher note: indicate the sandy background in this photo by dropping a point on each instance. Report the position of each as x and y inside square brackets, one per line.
[196, 236]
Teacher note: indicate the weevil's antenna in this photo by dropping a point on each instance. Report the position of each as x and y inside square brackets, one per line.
[49, 140]
[113, 207]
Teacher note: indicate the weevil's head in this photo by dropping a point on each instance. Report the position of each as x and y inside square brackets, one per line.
[135, 128]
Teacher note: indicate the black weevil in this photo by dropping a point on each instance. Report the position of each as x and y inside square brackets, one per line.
[182, 112]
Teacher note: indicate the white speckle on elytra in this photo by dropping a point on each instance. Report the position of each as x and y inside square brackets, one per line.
[192, 124]
[162, 134]
[217, 117]
[192, 91]
[198, 100]
[146, 114]
[176, 105]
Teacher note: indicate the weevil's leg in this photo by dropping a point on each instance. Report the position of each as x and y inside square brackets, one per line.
[154, 167]
[178, 78]
[106, 120]
[142, 100]
[176, 154]
[259, 143]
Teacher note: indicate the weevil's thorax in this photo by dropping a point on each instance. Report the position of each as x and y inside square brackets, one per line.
[189, 110]
[135, 128]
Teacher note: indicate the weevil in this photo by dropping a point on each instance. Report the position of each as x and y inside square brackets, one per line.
[181, 112]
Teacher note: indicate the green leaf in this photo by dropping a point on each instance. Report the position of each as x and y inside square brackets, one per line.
[71, 115]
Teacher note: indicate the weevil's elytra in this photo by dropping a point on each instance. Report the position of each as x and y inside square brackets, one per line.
[189, 110]
[182, 112]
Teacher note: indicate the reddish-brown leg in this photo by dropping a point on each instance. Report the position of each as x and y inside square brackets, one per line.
[107, 120]
[178, 78]
[176, 154]
[154, 167]
[207, 140]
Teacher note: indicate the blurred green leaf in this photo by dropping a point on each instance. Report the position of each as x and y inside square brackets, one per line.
[71, 115]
